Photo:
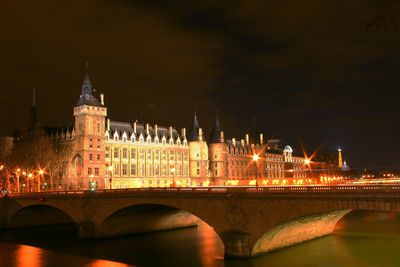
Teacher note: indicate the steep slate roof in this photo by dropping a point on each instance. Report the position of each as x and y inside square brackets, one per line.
[128, 128]
[87, 97]
[216, 133]
[193, 134]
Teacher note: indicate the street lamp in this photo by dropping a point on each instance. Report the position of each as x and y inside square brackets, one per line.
[17, 173]
[30, 175]
[110, 170]
[41, 172]
[256, 157]
[173, 177]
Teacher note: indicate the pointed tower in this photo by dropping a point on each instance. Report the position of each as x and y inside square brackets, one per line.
[194, 132]
[198, 155]
[340, 158]
[218, 155]
[88, 164]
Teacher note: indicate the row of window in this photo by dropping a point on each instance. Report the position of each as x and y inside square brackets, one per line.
[148, 154]
[96, 171]
[148, 140]
[98, 157]
[149, 170]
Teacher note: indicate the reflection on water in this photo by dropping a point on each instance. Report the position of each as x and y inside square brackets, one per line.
[361, 239]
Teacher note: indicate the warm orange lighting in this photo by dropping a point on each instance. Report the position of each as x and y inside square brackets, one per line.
[256, 157]
[28, 256]
[253, 182]
[307, 161]
[41, 172]
[105, 263]
[30, 175]
[1, 167]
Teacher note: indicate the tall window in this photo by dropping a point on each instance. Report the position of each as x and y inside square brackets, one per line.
[133, 153]
[116, 152]
[133, 169]
[96, 171]
[91, 157]
[107, 153]
[141, 154]
[157, 169]
[90, 172]
[124, 169]
[148, 154]
[98, 157]
[125, 153]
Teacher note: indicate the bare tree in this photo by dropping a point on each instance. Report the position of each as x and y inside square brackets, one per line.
[40, 153]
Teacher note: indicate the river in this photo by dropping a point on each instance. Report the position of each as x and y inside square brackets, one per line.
[360, 239]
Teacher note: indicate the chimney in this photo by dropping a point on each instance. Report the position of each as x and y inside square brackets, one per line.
[102, 99]
[147, 129]
[108, 124]
[134, 127]
[242, 142]
[221, 137]
[155, 130]
[261, 139]
[170, 131]
[200, 134]
[183, 132]
[247, 139]
[234, 141]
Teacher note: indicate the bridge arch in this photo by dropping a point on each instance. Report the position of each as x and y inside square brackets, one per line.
[148, 217]
[39, 215]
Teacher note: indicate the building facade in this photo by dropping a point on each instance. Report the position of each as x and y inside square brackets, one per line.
[112, 154]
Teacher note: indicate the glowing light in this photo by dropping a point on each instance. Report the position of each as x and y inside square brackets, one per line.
[30, 175]
[41, 172]
[256, 157]
[253, 182]
[307, 161]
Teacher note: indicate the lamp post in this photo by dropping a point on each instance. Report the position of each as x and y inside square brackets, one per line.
[256, 157]
[17, 174]
[30, 176]
[110, 170]
[41, 172]
[173, 177]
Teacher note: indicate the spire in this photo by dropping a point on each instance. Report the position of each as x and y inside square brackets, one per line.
[340, 158]
[87, 85]
[33, 113]
[194, 135]
[87, 97]
[216, 131]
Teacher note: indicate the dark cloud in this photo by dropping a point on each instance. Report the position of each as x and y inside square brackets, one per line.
[317, 71]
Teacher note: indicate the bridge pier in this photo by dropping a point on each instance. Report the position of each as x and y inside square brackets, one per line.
[237, 244]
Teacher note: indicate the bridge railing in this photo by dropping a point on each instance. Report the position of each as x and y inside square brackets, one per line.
[315, 189]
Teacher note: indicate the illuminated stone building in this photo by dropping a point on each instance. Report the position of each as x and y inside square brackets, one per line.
[240, 162]
[146, 156]
[111, 154]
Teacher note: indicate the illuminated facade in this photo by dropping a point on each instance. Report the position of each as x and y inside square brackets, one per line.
[112, 154]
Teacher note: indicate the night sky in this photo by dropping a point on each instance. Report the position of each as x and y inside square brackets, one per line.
[321, 73]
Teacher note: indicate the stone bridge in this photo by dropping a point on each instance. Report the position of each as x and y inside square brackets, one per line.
[249, 220]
